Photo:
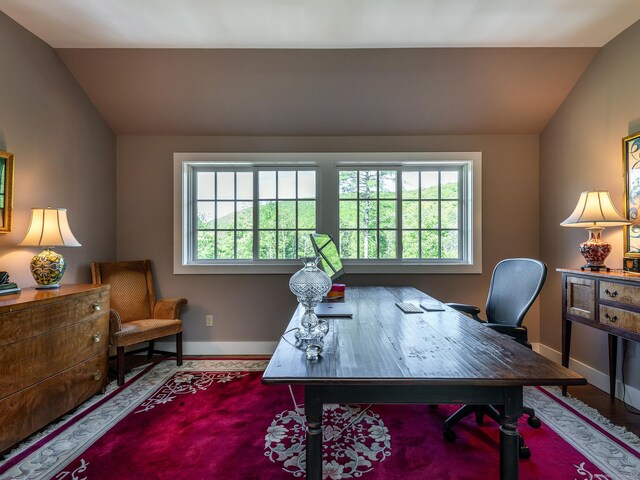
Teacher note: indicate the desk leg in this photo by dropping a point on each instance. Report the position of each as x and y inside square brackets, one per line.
[613, 360]
[313, 413]
[509, 437]
[566, 348]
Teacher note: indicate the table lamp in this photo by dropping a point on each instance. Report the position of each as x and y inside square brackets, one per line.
[595, 211]
[48, 228]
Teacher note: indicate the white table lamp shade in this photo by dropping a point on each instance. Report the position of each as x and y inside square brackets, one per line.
[49, 227]
[595, 208]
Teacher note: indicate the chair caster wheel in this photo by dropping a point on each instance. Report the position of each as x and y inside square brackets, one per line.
[449, 435]
[524, 452]
[534, 422]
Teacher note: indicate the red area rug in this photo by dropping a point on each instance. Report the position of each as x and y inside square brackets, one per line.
[213, 419]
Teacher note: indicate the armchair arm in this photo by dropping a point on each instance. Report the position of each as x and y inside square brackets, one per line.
[168, 308]
[115, 324]
[470, 310]
[520, 334]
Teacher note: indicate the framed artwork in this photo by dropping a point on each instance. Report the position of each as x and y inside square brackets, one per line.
[631, 159]
[6, 191]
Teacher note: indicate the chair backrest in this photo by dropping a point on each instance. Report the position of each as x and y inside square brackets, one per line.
[132, 293]
[515, 284]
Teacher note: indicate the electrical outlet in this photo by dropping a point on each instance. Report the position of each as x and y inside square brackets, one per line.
[208, 320]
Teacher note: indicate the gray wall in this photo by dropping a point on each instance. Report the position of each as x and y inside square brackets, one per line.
[64, 154]
[257, 307]
[580, 149]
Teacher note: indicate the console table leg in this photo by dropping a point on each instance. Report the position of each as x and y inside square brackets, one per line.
[566, 348]
[613, 360]
[509, 437]
[313, 413]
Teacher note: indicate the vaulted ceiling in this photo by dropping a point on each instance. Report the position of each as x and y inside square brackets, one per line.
[326, 67]
[328, 92]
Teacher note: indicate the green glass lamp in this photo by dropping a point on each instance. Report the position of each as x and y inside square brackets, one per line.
[49, 228]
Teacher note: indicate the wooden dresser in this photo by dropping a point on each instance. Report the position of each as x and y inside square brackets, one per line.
[53, 355]
[608, 301]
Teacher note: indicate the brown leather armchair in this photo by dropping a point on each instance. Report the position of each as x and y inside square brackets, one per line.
[136, 316]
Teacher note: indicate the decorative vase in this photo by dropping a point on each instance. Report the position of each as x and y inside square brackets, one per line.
[47, 269]
[309, 285]
[595, 250]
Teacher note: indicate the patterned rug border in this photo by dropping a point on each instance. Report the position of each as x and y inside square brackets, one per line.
[585, 429]
[613, 449]
[616, 432]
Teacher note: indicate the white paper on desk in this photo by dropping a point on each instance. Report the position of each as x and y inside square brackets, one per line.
[432, 307]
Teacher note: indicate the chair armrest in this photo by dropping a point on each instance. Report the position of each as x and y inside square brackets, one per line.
[520, 334]
[470, 310]
[168, 308]
[115, 324]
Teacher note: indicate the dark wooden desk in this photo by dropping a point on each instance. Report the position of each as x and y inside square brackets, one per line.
[382, 355]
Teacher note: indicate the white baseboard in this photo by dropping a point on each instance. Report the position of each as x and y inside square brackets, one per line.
[594, 377]
[221, 348]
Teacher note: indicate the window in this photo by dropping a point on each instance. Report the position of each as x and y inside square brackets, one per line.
[389, 212]
[408, 213]
[368, 213]
[233, 223]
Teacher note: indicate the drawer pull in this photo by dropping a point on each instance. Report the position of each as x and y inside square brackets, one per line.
[613, 294]
[610, 318]
[97, 306]
[96, 337]
[97, 375]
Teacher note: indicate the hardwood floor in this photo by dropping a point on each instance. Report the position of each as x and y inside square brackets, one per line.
[614, 410]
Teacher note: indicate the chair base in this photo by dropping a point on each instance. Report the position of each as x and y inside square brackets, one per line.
[122, 366]
[480, 411]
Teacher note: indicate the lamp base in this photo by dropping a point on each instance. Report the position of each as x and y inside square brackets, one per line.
[595, 251]
[595, 268]
[48, 287]
[47, 269]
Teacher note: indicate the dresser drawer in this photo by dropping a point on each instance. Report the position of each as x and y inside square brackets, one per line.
[29, 322]
[620, 293]
[581, 297]
[36, 358]
[618, 318]
[25, 412]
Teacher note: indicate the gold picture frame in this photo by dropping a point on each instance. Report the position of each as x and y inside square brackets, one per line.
[631, 163]
[6, 191]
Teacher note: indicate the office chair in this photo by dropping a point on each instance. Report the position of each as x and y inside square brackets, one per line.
[515, 284]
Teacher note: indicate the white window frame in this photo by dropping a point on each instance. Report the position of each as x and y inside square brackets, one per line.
[327, 217]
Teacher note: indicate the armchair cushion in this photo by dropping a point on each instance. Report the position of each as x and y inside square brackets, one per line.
[137, 331]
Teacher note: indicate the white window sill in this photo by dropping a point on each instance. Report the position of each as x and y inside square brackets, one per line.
[268, 268]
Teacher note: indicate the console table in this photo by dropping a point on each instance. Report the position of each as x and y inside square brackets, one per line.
[53, 351]
[608, 301]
